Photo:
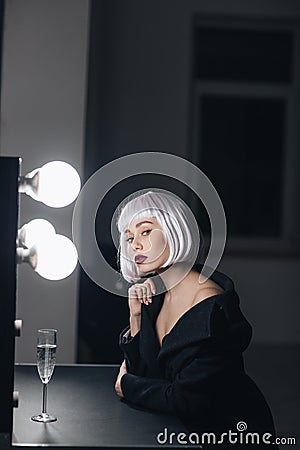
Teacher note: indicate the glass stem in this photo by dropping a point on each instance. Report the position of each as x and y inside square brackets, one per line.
[44, 398]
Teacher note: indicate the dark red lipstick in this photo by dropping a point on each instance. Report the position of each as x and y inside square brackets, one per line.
[139, 259]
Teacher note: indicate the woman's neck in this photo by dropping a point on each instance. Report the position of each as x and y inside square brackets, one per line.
[178, 279]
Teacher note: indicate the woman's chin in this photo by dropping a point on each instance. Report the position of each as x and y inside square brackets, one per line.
[148, 267]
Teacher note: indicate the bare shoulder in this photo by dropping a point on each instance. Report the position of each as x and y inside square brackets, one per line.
[208, 290]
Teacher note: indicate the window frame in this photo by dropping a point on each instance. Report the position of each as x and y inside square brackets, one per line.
[289, 242]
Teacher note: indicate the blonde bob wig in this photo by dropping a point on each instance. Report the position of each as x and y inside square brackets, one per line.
[174, 216]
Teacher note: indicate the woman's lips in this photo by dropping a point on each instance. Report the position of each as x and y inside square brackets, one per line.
[139, 259]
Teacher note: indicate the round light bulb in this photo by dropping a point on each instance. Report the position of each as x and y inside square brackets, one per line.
[35, 231]
[56, 258]
[58, 184]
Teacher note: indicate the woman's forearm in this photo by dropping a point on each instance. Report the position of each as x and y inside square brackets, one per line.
[135, 324]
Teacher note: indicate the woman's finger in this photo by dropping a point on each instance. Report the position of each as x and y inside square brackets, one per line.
[149, 293]
[144, 292]
[152, 286]
[132, 292]
[139, 292]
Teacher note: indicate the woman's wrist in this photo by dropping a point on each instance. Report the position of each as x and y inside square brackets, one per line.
[135, 324]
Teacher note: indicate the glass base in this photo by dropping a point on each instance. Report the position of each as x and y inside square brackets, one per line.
[44, 418]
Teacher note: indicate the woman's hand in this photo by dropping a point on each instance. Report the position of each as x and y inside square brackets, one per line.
[122, 372]
[140, 293]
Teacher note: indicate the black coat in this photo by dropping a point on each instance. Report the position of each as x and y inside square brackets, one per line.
[198, 373]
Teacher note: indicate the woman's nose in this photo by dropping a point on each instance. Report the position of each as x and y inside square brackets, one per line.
[136, 244]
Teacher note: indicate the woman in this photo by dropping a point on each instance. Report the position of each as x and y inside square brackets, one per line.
[183, 347]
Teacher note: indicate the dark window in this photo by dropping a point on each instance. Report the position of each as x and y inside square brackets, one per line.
[241, 147]
[245, 135]
[243, 55]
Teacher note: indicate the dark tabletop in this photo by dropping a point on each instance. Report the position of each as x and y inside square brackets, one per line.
[89, 412]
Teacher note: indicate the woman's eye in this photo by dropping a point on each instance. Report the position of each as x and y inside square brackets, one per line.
[146, 232]
[143, 233]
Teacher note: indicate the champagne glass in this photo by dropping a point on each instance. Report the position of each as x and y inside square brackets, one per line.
[46, 358]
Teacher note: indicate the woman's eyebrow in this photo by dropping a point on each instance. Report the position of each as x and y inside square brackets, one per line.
[139, 224]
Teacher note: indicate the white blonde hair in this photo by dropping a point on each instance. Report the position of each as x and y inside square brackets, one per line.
[175, 218]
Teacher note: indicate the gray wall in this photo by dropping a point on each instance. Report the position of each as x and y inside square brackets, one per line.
[43, 112]
[268, 290]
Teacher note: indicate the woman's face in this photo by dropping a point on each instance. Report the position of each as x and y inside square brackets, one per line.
[147, 244]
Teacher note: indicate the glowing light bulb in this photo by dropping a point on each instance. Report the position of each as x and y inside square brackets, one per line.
[35, 231]
[57, 184]
[56, 258]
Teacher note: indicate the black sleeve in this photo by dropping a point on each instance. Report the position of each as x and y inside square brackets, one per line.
[182, 396]
[130, 347]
